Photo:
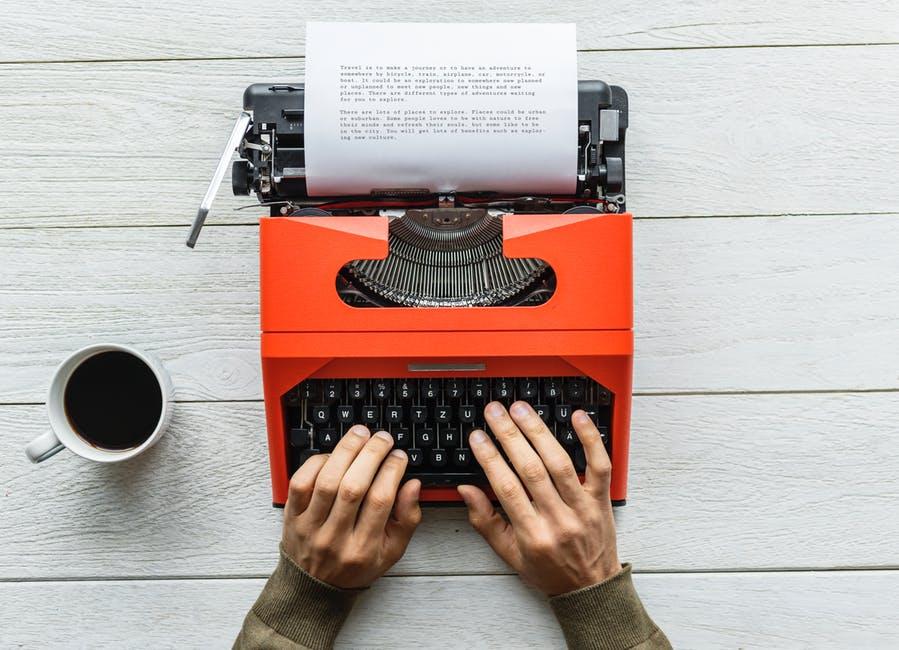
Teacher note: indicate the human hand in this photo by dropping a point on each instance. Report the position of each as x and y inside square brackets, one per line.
[340, 524]
[564, 539]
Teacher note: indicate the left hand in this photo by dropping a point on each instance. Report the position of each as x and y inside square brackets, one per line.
[340, 523]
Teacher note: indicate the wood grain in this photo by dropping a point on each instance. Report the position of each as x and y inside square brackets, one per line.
[745, 610]
[792, 303]
[716, 483]
[712, 132]
[72, 31]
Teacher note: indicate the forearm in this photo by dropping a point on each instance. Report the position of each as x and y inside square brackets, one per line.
[608, 615]
[295, 611]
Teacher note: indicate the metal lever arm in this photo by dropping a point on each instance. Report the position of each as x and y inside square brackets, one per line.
[237, 134]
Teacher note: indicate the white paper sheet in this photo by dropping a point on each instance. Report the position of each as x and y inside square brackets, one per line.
[442, 107]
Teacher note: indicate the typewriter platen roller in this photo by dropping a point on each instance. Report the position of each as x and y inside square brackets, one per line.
[405, 288]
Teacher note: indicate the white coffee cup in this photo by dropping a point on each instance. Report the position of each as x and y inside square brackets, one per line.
[64, 434]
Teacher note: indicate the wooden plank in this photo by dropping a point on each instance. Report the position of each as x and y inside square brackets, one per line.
[716, 482]
[229, 28]
[794, 303]
[747, 610]
[713, 132]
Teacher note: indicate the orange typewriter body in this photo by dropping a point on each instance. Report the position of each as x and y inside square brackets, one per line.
[584, 329]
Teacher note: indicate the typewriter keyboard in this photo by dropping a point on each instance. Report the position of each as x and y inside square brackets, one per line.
[430, 418]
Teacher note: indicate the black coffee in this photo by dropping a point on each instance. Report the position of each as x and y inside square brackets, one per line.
[113, 400]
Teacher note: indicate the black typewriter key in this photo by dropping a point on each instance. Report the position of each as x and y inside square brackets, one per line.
[604, 434]
[370, 414]
[327, 439]
[527, 389]
[563, 413]
[467, 413]
[415, 457]
[305, 455]
[543, 411]
[381, 389]
[405, 389]
[402, 438]
[605, 397]
[574, 390]
[426, 438]
[450, 437]
[333, 391]
[300, 437]
[502, 389]
[345, 414]
[580, 460]
[357, 389]
[321, 413]
[567, 436]
[552, 389]
[455, 389]
[394, 414]
[430, 388]
[308, 390]
[479, 390]
[438, 458]
[592, 411]
[443, 414]
[419, 414]
[461, 458]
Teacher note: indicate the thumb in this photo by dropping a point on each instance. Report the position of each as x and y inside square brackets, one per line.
[490, 524]
[405, 519]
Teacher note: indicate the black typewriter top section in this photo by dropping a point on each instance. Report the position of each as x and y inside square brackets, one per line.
[273, 161]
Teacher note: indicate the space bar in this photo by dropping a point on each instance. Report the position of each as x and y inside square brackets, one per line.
[446, 478]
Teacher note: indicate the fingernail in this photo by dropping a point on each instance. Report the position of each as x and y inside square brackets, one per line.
[463, 494]
[519, 408]
[360, 431]
[477, 437]
[495, 409]
[399, 453]
[580, 417]
[383, 435]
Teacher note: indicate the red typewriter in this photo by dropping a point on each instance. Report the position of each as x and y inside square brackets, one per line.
[410, 312]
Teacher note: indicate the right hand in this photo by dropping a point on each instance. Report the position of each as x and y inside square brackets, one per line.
[340, 522]
[564, 539]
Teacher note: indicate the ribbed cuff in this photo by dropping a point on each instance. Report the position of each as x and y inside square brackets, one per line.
[302, 608]
[605, 615]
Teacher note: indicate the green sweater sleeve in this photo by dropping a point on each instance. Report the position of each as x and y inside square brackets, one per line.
[607, 616]
[295, 611]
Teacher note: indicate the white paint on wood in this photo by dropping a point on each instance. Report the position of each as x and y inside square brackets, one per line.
[734, 610]
[716, 482]
[105, 29]
[721, 304]
[712, 132]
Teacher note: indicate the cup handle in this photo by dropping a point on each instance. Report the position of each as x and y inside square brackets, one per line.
[42, 447]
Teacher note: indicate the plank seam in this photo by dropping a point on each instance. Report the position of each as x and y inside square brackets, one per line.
[255, 221]
[188, 577]
[744, 46]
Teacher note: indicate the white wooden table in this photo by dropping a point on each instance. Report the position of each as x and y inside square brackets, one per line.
[763, 151]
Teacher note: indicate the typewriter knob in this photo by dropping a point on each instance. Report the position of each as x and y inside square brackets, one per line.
[241, 177]
[612, 175]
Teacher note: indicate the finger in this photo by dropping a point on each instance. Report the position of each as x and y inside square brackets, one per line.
[358, 478]
[331, 474]
[405, 519]
[554, 457]
[378, 503]
[599, 467]
[528, 464]
[490, 524]
[505, 483]
[302, 483]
